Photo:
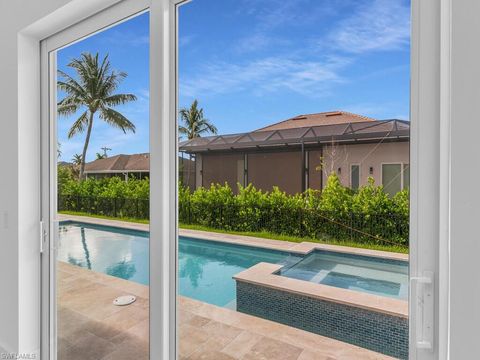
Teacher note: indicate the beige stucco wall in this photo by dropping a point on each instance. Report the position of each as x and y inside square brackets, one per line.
[283, 168]
[366, 155]
[314, 171]
[220, 169]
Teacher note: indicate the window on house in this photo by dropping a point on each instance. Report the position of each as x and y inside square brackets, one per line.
[406, 176]
[392, 178]
[355, 176]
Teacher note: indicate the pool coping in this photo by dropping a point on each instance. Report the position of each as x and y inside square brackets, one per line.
[303, 248]
[266, 275]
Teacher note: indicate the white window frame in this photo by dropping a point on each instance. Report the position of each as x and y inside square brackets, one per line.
[430, 155]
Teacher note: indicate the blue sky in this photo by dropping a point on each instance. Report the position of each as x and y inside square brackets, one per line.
[251, 63]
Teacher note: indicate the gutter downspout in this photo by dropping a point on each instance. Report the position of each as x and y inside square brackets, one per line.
[303, 167]
[321, 168]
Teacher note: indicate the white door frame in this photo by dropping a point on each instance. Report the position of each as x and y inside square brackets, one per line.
[429, 158]
[431, 22]
[163, 144]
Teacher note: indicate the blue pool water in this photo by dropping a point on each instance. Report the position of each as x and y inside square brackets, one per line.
[205, 267]
[366, 274]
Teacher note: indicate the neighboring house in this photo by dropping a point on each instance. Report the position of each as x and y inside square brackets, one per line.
[301, 152]
[135, 165]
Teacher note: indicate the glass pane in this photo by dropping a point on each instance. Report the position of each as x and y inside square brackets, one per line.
[406, 176]
[301, 102]
[355, 176]
[103, 194]
[392, 178]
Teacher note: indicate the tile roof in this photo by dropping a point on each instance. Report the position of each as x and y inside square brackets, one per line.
[317, 119]
[119, 163]
[125, 163]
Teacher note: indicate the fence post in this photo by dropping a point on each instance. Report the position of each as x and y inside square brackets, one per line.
[190, 212]
[301, 222]
[351, 226]
[220, 223]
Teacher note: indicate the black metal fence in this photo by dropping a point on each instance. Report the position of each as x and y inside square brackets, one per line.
[384, 229]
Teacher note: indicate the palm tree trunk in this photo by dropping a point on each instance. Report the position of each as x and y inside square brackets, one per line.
[85, 146]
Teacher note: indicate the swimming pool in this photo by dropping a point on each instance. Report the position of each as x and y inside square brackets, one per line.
[205, 267]
[371, 275]
[206, 270]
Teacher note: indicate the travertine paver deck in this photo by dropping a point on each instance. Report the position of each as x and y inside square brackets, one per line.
[91, 328]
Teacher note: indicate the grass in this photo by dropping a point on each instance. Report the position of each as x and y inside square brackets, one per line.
[262, 234]
[79, 213]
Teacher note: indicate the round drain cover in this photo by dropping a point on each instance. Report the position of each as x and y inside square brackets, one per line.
[124, 300]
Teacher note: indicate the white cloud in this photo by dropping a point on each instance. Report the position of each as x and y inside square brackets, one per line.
[267, 75]
[273, 15]
[252, 43]
[377, 25]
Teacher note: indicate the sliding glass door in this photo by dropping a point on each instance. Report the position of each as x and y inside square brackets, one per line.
[97, 185]
[235, 164]
[295, 127]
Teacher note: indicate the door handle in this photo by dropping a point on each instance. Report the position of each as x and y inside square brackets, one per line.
[43, 236]
[422, 298]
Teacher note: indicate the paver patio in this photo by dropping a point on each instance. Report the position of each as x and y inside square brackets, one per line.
[90, 327]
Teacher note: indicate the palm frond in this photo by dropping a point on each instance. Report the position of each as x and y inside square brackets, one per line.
[93, 88]
[68, 105]
[115, 119]
[70, 85]
[183, 130]
[66, 110]
[79, 125]
[194, 122]
[119, 99]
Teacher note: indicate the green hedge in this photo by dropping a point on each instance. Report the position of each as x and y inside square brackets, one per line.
[368, 215]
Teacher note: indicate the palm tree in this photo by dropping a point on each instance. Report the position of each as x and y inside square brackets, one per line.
[100, 156]
[77, 159]
[93, 91]
[76, 163]
[194, 124]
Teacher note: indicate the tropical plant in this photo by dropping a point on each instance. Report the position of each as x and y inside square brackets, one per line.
[194, 123]
[99, 156]
[77, 159]
[92, 92]
[76, 163]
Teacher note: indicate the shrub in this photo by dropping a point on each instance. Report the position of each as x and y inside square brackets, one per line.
[367, 215]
